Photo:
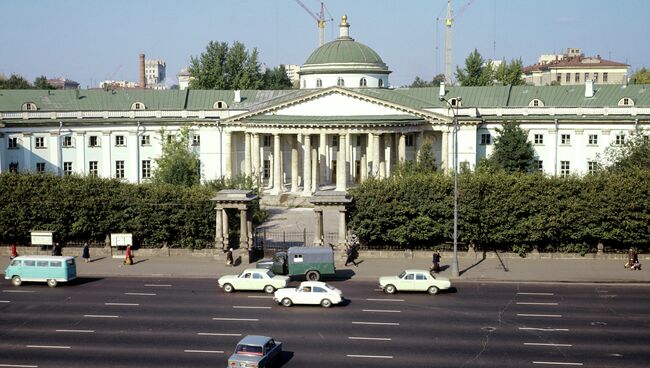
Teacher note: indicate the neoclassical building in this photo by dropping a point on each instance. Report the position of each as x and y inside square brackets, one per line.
[343, 125]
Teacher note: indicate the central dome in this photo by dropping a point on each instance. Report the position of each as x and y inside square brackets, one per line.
[344, 50]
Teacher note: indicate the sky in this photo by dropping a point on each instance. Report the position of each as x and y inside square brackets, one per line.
[93, 40]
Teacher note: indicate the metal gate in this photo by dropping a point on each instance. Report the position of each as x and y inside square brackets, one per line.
[269, 242]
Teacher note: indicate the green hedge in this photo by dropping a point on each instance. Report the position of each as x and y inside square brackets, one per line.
[505, 211]
[88, 208]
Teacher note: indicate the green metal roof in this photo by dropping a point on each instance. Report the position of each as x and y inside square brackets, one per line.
[344, 50]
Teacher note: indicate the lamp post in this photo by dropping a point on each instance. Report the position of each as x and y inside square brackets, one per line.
[454, 260]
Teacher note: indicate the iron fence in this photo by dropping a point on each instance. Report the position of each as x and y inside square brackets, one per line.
[271, 242]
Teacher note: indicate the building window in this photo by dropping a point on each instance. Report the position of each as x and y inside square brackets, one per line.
[586, 77]
[267, 169]
[565, 139]
[170, 138]
[335, 141]
[67, 168]
[29, 106]
[138, 106]
[13, 167]
[592, 167]
[119, 140]
[536, 103]
[40, 167]
[595, 77]
[340, 82]
[92, 168]
[93, 141]
[219, 105]
[567, 77]
[564, 168]
[454, 102]
[626, 101]
[558, 78]
[13, 143]
[409, 140]
[196, 140]
[381, 83]
[362, 82]
[146, 169]
[605, 75]
[485, 139]
[266, 141]
[40, 142]
[145, 140]
[539, 164]
[119, 169]
[620, 139]
[593, 139]
[577, 77]
[538, 139]
[67, 141]
[319, 83]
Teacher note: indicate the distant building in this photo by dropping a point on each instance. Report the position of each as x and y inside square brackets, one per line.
[63, 83]
[292, 72]
[117, 84]
[573, 68]
[183, 79]
[154, 72]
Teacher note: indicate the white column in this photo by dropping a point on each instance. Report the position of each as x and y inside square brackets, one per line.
[401, 148]
[552, 166]
[80, 151]
[349, 164]
[376, 160]
[224, 228]
[277, 171]
[445, 163]
[243, 229]
[54, 146]
[364, 158]
[322, 159]
[419, 138]
[388, 153]
[306, 163]
[314, 170]
[294, 163]
[107, 164]
[318, 233]
[134, 169]
[4, 147]
[218, 236]
[342, 232]
[578, 163]
[341, 172]
[27, 157]
[227, 152]
[248, 162]
[255, 151]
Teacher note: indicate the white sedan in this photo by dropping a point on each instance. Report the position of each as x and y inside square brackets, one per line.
[309, 292]
[253, 279]
[414, 280]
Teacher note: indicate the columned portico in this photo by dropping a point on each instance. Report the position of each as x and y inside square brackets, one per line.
[240, 200]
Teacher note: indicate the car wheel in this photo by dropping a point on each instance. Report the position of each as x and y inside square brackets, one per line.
[287, 302]
[228, 288]
[325, 303]
[269, 289]
[51, 282]
[390, 289]
[313, 276]
[16, 281]
[433, 290]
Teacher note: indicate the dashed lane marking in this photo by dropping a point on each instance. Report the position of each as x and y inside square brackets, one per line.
[249, 307]
[544, 329]
[18, 291]
[546, 344]
[123, 304]
[385, 300]
[260, 296]
[76, 331]
[99, 316]
[217, 334]
[204, 351]
[377, 323]
[547, 294]
[539, 315]
[370, 356]
[369, 338]
[235, 319]
[533, 303]
[48, 347]
[141, 294]
[158, 285]
[5, 301]
[557, 363]
[381, 310]
[18, 365]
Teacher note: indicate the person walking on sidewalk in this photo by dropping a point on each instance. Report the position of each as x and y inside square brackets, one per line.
[631, 257]
[229, 259]
[128, 256]
[56, 250]
[85, 253]
[351, 255]
[14, 252]
[435, 259]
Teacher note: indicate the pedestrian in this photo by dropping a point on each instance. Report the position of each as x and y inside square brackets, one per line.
[352, 254]
[14, 252]
[631, 256]
[229, 259]
[635, 265]
[56, 250]
[128, 256]
[435, 259]
[85, 253]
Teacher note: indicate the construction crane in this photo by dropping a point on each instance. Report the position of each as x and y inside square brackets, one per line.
[320, 20]
[448, 22]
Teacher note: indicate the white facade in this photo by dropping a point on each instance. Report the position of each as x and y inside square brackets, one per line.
[154, 72]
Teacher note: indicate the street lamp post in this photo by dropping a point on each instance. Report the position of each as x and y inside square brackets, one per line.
[454, 260]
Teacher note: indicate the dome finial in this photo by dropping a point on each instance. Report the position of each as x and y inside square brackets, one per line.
[344, 31]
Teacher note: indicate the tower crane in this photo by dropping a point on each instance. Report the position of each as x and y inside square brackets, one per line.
[448, 22]
[320, 19]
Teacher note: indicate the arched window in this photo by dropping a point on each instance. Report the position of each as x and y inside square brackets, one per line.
[626, 101]
[454, 102]
[536, 102]
[319, 83]
[340, 82]
[381, 83]
[138, 106]
[362, 82]
[220, 105]
[29, 106]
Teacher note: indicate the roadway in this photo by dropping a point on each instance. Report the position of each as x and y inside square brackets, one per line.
[174, 322]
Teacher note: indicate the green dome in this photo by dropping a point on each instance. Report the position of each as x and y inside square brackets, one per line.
[344, 51]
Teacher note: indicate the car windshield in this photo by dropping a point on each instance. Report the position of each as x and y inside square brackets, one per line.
[401, 275]
[248, 349]
[270, 274]
[330, 287]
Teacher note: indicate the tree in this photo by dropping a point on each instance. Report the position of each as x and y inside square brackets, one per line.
[634, 153]
[225, 67]
[418, 82]
[177, 164]
[512, 150]
[14, 82]
[277, 78]
[642, 76]
[42, 83]
[425, 164]
[510, 74]
[477, 72]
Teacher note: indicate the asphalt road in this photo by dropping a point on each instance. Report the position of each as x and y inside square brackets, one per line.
[147, 322]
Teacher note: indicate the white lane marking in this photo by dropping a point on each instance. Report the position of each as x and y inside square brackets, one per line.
[99, 316]
[204, 351]
[385, 300]
[532, 303]
[18, 366]
[370, 356]
[539, 315]
[557, 363]
[217, 334]
[123, 304]
[248, 307]
[235, 319]
[158, 285]
[18, 291]
[377, 323]
[535, 294]
[369, 338]
[546, 344]
[142, 294]
[76, 331]
[260, 296]
[544, 329]
[48, 347]
[5, 301]
[156, 274]
[377, 289]
[381, 310]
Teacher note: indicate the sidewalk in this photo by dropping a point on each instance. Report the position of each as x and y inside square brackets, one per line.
[490, 269]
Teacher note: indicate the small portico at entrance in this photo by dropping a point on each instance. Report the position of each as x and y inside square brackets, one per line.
[241, 200]
[330, 200]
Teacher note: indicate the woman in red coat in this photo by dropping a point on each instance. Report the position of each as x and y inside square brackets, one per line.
[14, 252]
[128, 259]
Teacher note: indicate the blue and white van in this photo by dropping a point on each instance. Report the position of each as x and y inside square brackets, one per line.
[50, 269]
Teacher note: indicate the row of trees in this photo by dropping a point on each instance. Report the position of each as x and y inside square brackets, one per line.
[18, 82]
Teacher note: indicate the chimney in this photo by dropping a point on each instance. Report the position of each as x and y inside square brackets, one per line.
[589, 88]
[143, 80]
[237, 95]
[442, 89]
